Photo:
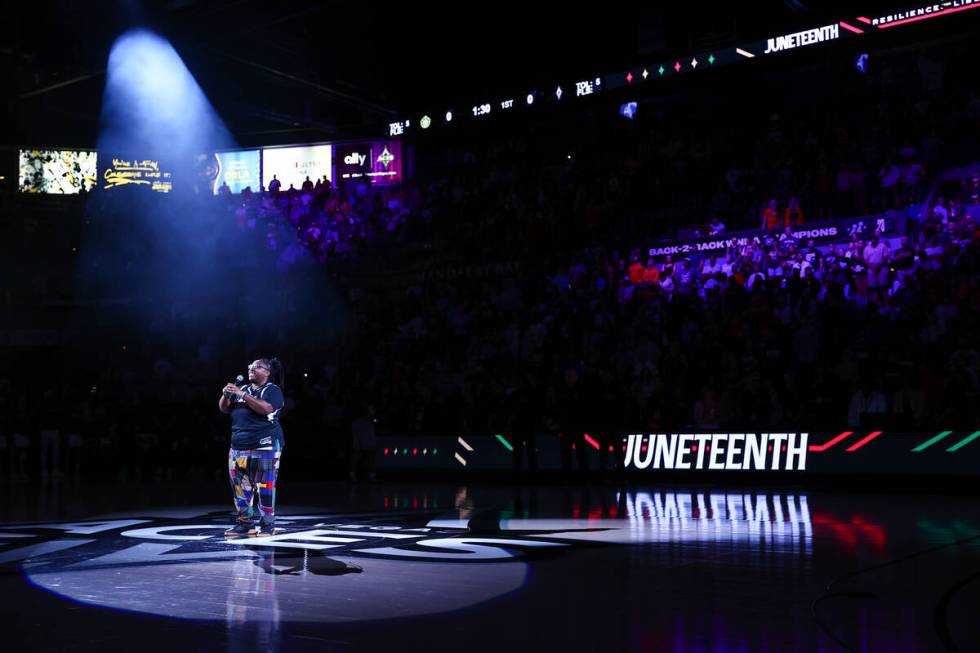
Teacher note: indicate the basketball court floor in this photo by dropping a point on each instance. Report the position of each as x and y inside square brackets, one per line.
[490, 567]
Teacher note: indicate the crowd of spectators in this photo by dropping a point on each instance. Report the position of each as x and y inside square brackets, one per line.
[772, 335]
[769, 335]
[321, 221]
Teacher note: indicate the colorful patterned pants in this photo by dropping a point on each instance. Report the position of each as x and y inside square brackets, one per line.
[253, 475]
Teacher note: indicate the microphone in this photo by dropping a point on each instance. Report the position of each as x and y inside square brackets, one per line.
[239, 380]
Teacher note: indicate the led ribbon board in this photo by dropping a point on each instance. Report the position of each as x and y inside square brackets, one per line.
[861, 451]
[853, 26]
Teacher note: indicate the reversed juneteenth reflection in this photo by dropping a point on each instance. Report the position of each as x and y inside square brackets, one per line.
[782, 521]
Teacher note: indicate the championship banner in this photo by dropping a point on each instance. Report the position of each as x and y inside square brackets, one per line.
[819, 232]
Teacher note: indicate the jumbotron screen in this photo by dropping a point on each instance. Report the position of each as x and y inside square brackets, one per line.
[239, 170]
[378, 162]
[292, 165]
[134, 172]
[59, 172]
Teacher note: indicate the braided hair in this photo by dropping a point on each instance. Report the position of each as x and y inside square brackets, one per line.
[276, 369]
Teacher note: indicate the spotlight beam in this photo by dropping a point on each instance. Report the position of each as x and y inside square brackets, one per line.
[152, 103]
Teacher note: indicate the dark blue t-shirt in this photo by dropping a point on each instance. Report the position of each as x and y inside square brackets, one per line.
[249, 430]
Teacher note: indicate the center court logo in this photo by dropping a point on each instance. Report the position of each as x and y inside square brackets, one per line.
[317, 569]
[145, 541]
[332, 568]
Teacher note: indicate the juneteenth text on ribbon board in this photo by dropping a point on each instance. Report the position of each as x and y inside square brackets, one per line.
[720, 451]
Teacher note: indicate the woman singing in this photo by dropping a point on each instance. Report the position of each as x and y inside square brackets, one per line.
[256, 445]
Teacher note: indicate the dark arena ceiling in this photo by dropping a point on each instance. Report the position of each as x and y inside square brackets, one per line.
[328, 70]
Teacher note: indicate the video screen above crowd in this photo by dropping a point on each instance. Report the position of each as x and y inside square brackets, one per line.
[70, 172]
